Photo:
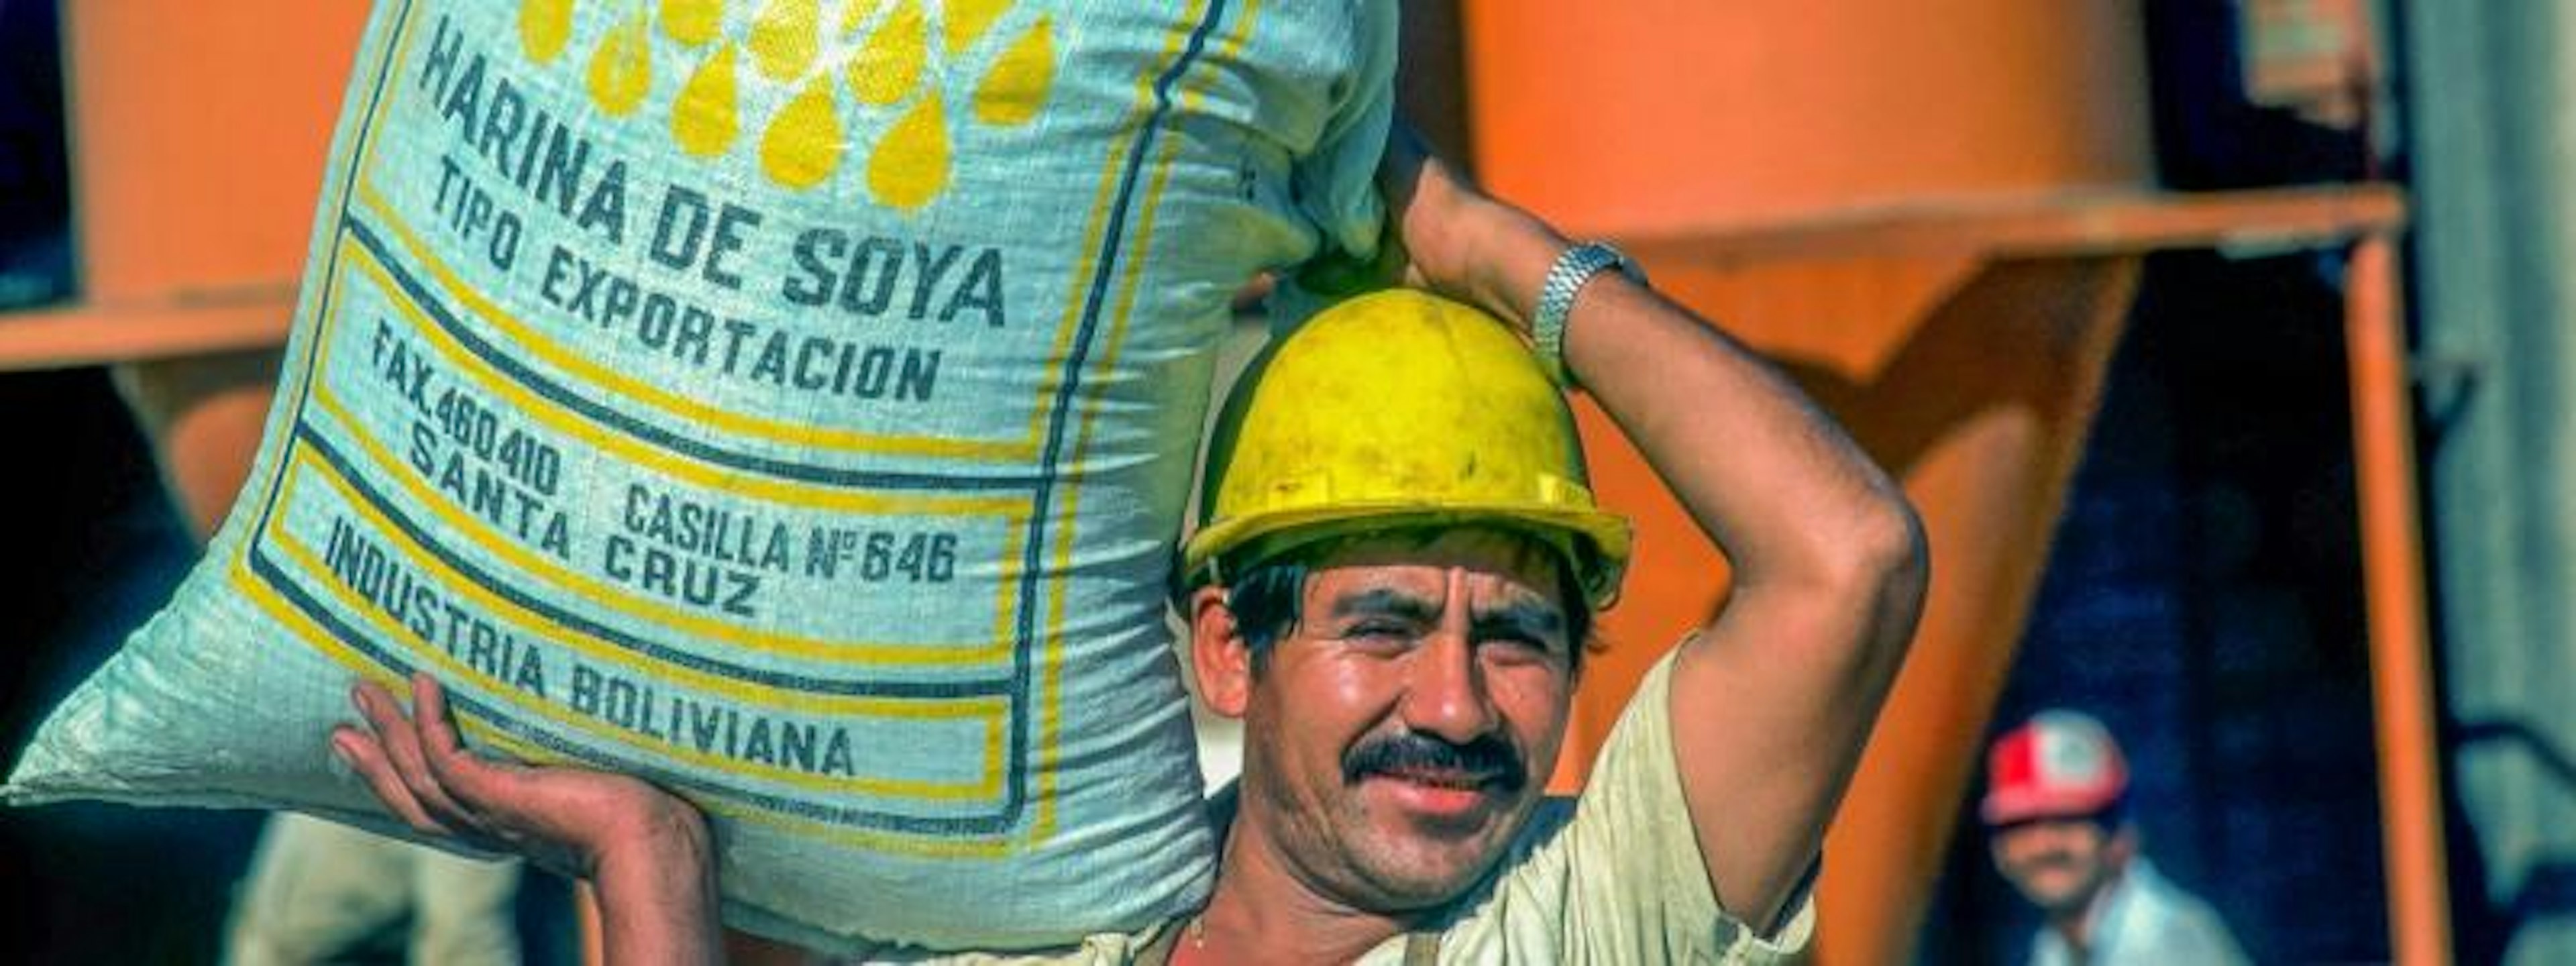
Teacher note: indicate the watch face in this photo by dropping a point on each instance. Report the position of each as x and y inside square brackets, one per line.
[1612, 257]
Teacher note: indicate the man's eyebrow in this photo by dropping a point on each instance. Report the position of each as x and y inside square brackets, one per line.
[1527, 618]
[1385, 602]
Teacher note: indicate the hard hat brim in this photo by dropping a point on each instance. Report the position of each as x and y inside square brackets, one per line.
[1605, 538]
[2012, 806]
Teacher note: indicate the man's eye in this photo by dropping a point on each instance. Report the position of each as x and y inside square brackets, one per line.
[1383, 634]
[1519, 649]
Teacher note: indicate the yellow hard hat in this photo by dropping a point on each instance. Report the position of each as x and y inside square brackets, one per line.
[1399, 409]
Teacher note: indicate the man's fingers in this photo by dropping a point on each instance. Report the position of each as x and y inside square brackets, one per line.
[399, 738]
[395, 735]
[429, 714]
[367, 757]
[467, 778]
[1399, 170]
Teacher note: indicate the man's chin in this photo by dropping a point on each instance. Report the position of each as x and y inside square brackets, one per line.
[1435, 842]
[2055, 898]
[1415, 880]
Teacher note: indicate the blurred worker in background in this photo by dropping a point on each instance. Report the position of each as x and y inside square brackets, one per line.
[2057, 807]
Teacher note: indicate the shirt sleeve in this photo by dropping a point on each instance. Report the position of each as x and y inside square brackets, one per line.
[1619, 878]
[2200, 936]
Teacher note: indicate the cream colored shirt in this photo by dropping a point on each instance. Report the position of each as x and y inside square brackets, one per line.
[1612, 877]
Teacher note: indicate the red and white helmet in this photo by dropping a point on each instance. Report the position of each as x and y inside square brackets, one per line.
[2059, 764]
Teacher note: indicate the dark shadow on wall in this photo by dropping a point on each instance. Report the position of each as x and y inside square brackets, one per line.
[93, 550]
[35, 260]
[2485, 926]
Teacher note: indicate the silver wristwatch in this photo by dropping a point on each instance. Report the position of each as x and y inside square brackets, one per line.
[1556, 300]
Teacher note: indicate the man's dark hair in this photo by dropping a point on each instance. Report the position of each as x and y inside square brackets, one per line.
[2113, 815]
[1265, 599]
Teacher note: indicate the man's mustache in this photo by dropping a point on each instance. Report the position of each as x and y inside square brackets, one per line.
[1486, 760]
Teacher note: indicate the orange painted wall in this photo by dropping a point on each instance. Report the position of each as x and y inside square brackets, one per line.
[199, 132]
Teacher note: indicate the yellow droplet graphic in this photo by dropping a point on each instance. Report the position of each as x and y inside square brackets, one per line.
[544, 27]
[803, 144]
[856, 15]
[910, 166]
[621, 70]
[784, 37]
[965, 20]
[704, 118]
[692, 22]
[889, 64]
[1016, 88]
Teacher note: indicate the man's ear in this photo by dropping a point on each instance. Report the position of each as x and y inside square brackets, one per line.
[1218, 653]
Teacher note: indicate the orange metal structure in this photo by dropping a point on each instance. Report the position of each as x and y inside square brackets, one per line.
[2410, 795]
[1932, 216]
[198, 136]
[1973, 381]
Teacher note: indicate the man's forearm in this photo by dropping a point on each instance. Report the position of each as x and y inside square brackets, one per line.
[1775, 699]
[1693, 400]
[657, 901]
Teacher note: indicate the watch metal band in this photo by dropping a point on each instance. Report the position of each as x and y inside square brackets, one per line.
[1556, 300]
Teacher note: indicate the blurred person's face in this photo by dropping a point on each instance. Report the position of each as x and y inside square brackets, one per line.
[2059, 864]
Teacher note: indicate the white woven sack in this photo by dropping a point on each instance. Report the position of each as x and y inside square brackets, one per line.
[791, 401]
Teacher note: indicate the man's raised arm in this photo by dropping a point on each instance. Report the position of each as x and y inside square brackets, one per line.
[1773, 700]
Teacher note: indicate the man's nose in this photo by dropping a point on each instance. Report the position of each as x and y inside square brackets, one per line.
[1446, 695]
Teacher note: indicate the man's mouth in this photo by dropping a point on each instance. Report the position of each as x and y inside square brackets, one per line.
[2051, 863]
[1454, 778]
[1440, 792]
[1435, 780]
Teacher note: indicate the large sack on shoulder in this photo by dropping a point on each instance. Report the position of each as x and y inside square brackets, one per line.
[790, 401]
